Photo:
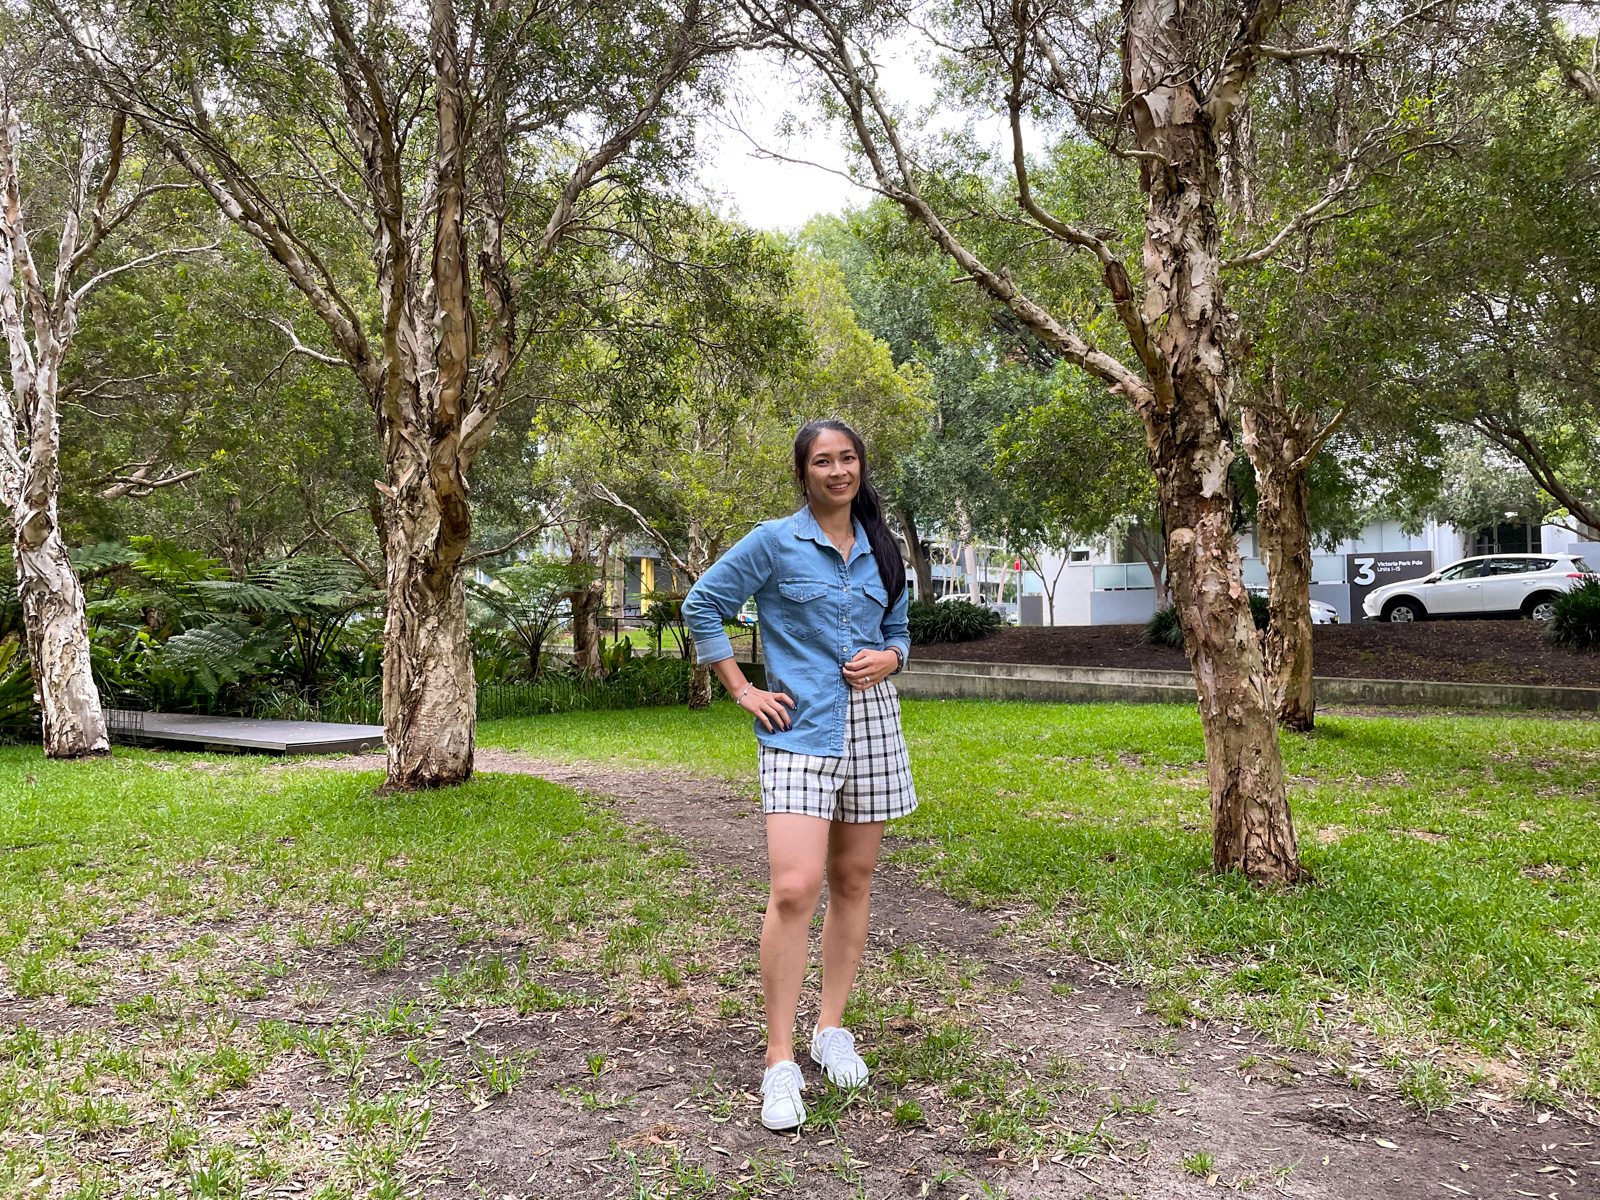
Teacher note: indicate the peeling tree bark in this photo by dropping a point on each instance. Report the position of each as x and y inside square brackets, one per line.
[1277, 440]
[1190, 438]
[30, 435]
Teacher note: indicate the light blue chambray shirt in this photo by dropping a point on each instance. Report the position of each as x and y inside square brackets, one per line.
[816, 610]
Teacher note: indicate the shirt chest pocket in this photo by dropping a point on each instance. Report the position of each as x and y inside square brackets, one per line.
[868, 604]
[804, 606]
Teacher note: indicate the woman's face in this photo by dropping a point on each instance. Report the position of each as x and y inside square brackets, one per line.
[833, 471]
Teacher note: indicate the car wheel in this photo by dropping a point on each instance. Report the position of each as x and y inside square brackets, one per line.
[1541, 607]
[1403, 611]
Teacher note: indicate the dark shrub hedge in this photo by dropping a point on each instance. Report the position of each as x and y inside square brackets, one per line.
[951, 621]
[1576, 624]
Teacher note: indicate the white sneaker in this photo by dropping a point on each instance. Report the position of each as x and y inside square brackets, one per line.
[834, 1050]
[782, 1109]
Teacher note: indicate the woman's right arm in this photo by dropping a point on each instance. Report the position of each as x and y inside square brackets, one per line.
[715, 598]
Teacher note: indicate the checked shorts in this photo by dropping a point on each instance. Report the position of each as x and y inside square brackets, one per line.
[870, 781]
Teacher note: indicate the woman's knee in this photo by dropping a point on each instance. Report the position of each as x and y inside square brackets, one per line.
[850, 882]
[794, 893]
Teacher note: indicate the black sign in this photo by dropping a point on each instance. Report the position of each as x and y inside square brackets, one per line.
[1367, 571]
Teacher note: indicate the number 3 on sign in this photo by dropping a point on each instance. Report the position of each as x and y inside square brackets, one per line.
[1364, 572]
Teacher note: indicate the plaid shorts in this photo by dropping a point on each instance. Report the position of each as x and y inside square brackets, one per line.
[870, 781]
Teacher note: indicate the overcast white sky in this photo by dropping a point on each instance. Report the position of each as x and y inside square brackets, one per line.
[771, 194]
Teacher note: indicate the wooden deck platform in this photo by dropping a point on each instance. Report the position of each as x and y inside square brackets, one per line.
[188, 731]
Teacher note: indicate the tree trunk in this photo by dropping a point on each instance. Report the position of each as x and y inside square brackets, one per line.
[1276, 439]
[920, 566]
[1190, 446]
[1150, 548]
[699, 686]
[58, 635]
[430, 697]
[586, 602]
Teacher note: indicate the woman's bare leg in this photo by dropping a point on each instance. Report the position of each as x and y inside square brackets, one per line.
[852, 855]
[797, 848]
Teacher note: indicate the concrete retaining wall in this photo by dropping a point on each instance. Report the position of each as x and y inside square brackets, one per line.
[930, 679]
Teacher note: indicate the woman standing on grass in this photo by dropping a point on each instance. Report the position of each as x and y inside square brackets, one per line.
[830, 591]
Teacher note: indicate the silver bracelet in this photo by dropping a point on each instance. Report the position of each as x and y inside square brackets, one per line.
[739, 699]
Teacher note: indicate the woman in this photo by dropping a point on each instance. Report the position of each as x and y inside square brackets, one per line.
[830, 593]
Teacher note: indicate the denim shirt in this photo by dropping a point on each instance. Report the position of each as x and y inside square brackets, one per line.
[816, 609]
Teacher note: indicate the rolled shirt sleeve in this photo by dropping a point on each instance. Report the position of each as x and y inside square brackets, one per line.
[719, 594]
[897, 629]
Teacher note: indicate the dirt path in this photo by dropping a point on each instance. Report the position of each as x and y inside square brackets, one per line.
[1136, 1103]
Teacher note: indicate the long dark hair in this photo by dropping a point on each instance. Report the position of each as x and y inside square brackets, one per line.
[866, 507]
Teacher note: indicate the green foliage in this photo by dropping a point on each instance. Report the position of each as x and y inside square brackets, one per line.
[950, 621]
[1163, 629]
[17, 709]
[1576, 624]
[664, 611]
[171, 628]
[642, 682]
[212, 656]
[616, 656]
[524, 602]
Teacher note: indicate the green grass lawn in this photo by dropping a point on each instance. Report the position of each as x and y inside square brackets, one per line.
[149, 899]
[175, 929]
[1455, 904]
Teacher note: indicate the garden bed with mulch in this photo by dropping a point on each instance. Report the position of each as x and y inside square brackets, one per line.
[1442, 651]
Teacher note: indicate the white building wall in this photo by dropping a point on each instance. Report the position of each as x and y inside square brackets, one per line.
[1078, 603]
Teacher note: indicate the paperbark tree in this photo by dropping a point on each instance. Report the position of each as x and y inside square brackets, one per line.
[1182, 76]
[425, 130]
[40, 321]
[1281, 440]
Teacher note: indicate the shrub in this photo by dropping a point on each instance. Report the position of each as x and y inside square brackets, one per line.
[1576, 624]
[1163, 628]
[951, 621]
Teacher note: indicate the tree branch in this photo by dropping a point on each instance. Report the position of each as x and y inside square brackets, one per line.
[832, 57]
[1301, 221]
[512, 544]
[1323, 434]
[296, 346]
[333, 540]
[1243, 57]
[138, 484]
[135, 264]
[678, 60]
[646, 527]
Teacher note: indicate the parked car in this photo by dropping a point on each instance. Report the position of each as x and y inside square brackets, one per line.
[1490, 585]
[1321, 613]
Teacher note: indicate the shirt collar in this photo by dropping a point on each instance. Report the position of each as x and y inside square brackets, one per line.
[805, 526]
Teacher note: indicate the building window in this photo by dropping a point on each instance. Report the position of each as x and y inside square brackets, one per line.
[1522, 537]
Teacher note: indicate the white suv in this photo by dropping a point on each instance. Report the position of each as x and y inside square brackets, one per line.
[1494, 584]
